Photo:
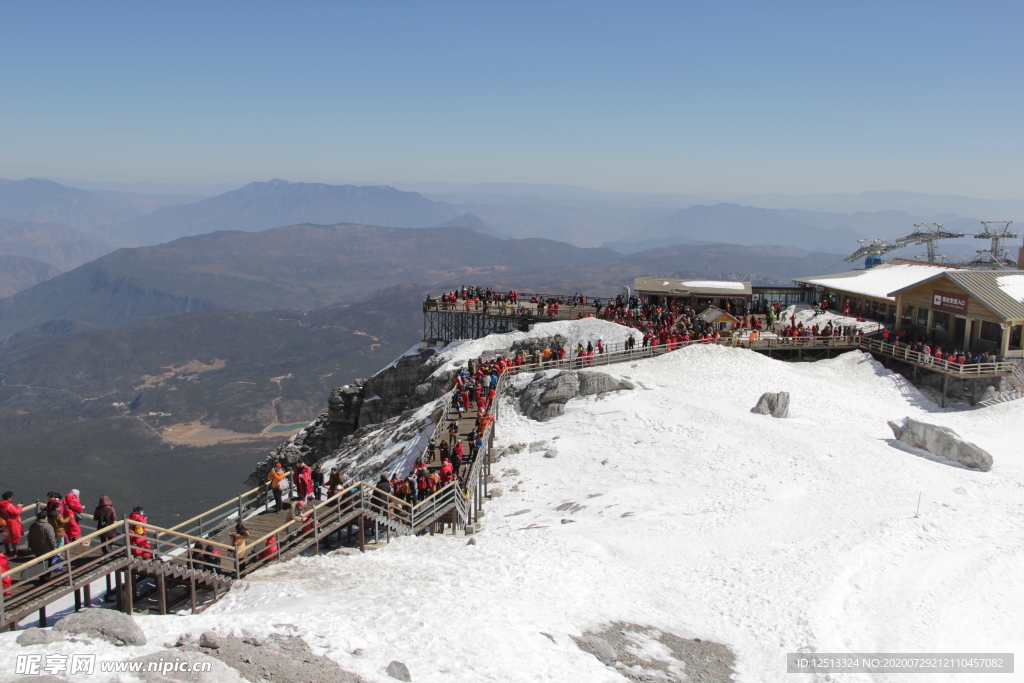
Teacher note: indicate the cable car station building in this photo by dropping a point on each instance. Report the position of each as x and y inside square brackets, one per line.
[868, 290]
[959, 309]
[973, 310]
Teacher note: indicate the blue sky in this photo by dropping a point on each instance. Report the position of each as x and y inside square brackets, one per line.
[703, 97]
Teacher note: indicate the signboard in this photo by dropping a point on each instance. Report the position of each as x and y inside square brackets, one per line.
[676, 290]
[950, 302]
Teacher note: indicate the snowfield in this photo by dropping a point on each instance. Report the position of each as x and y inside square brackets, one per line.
[697, 517]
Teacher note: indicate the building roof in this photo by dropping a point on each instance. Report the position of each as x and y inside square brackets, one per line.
[1001, 291]
[711, 314]
[665, 285]
[877, 282]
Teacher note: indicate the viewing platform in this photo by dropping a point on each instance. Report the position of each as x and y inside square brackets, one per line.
[473, 319]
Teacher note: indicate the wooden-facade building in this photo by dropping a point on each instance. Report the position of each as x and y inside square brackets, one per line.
[973, 310]
[718, 319]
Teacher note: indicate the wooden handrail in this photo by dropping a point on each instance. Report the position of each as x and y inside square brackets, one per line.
[274, 532]
[233, 501]
[53, 553]
[178, 534]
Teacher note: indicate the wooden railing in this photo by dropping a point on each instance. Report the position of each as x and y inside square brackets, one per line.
[965, 370]
[54, 572]
[215, 520]
[29, 512]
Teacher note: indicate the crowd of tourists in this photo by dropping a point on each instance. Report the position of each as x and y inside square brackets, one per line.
[445, 460]
[57, 523]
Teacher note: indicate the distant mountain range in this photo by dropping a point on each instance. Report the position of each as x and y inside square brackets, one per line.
[44, 201]
[580, 216]
[737, 225]
[259, 206]
[62, 247]
[296, 267]
[571, 195]
[473, 222]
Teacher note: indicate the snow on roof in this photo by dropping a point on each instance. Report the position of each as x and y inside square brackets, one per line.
[1012, 286]
[879, 281]
[713, 284]
[672, 286]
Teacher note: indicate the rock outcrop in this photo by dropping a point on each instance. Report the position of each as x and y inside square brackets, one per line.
[545, 396]
[107, 624]
[941, 441]
[356, 409]
[775, 404]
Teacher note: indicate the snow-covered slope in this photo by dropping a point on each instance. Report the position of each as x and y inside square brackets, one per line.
[574, 331]
[698, 518]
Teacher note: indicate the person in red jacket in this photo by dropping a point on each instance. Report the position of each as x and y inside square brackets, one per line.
[13, 530]
[5, 566]
[303, 481]
[447, 472]
[75, 510]
[269, 551]
[140, 544]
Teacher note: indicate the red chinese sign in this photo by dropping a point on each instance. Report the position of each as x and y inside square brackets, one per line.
[951, 302]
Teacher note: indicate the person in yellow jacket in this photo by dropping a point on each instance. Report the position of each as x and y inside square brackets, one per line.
[275, 480]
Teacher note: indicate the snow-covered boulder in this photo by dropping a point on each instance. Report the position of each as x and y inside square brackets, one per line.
[112, 626]
[38, 636]
[600, 383]
[545, 397]
[773, 403]
[941, 441]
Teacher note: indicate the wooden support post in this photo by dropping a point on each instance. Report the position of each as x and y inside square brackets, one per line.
[161, 593]
[216, 597]
[87, 594]
[362, 534]
[109, 588]
[118, 592]
[129, 591]
[78, 600]
[42, 617]
[192, 592]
